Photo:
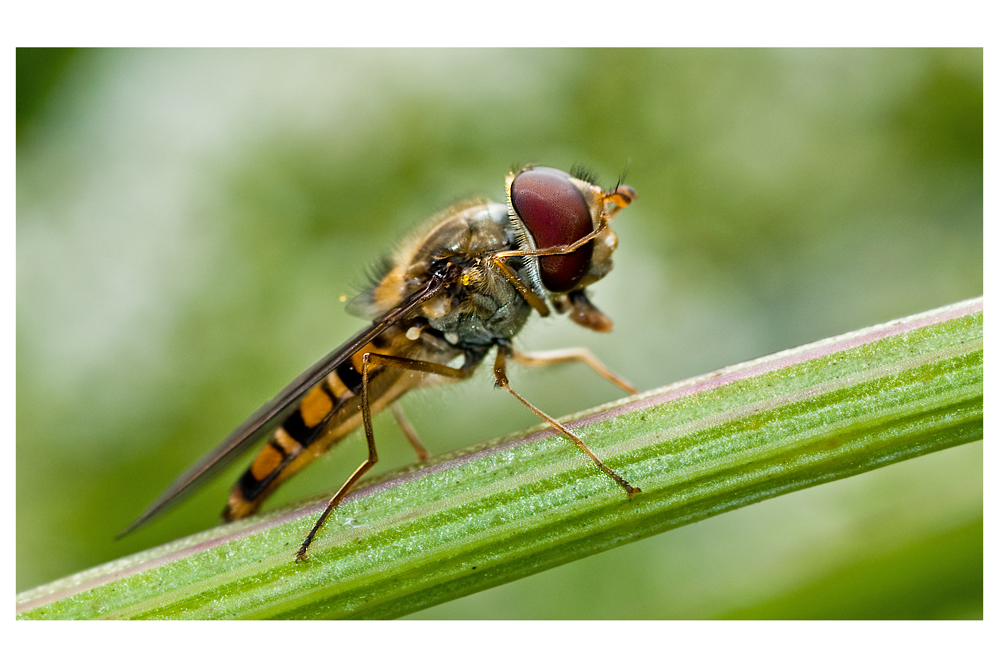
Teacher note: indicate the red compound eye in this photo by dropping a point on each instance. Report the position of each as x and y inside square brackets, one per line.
[555, 214]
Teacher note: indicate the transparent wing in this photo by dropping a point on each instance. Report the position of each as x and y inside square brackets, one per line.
[272, 413]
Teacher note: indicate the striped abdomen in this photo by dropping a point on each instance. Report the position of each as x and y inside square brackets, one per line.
[326, 415]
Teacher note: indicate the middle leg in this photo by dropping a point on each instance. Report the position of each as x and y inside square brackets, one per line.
[572, 355]
[367, 360]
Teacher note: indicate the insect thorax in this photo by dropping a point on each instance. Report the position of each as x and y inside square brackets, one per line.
[482, 306]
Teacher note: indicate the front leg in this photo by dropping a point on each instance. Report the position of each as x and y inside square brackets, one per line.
[537, 301]
[499, 370]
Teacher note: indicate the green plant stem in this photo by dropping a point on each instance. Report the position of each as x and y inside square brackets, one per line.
[506, 509]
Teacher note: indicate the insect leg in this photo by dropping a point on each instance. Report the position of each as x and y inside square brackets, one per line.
[499, 370]
[536, 301]
[382, 360]
[572, 355]
[407, 429]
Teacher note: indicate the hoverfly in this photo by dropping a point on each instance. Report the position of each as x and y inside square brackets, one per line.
[464, 286]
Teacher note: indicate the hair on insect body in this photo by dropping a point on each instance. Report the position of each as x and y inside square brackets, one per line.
[462, 287]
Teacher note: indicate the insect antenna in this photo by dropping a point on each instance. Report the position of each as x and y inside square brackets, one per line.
[624, 175]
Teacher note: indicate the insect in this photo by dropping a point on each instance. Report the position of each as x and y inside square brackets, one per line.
[465, 285]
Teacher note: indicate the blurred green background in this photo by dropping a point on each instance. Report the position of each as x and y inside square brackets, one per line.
[188, 219]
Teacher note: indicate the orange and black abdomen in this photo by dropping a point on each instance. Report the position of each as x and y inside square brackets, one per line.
[322, 418]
